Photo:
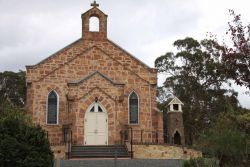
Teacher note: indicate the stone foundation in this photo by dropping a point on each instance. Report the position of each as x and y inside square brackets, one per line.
[164, 152]
[59, 151]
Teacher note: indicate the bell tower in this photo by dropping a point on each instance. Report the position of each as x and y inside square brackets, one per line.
[101, 34]
[175, 128]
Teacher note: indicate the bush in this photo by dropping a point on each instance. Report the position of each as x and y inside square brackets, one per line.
[21, 143]
[201, 162]
[226, 141]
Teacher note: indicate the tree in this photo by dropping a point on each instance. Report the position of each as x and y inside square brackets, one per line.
[12, 88]
[226, 141]
[22, 144]
[195, 75]
[236, 54]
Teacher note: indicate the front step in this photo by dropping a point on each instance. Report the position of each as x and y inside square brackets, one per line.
[110, 151]
[121, 163]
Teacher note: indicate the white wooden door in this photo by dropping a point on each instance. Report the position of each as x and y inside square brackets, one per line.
[96, 131]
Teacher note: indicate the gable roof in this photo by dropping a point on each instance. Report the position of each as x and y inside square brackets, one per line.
[69, 61]
[140, 62]
[91, 75]
[94, 8]
[174, 100]
[73, 43]
[54, 54]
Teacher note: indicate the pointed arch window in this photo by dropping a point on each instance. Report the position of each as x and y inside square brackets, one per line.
[52, 108]
[133, 108]
[96, 108]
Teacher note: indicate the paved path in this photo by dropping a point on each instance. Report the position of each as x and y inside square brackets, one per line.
[121, 163]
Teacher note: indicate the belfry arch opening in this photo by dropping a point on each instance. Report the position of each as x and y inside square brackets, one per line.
[94, 24]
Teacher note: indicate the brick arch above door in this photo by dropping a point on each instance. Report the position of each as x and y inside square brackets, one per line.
[83, 105]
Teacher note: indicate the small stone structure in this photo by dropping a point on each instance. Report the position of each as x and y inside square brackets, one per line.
[175, 128]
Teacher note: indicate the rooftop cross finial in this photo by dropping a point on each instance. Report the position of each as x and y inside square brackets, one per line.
[94, 4]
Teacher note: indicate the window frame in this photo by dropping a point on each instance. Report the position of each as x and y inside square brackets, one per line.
[57, 108]
[138, 122]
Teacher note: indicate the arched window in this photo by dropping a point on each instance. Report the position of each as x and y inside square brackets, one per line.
[52, 108]
[133, 108]
[96, 108]
[94, 24]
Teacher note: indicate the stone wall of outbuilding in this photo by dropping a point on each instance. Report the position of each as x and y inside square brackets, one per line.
[164, 152]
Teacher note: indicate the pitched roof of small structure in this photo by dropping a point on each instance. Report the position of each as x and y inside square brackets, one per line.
[174, 100]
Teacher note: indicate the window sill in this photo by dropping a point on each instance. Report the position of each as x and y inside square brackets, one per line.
[52, 124]
[133, 124]
[174, 111]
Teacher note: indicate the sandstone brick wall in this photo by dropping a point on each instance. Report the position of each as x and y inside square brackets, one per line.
[175, 123]
[164, 152]
[68, 72]
[59, 151]
[78, 49]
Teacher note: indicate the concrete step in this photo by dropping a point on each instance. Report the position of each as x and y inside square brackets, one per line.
[98, 151]
[120, 163]
[101, 150]
[99, 156]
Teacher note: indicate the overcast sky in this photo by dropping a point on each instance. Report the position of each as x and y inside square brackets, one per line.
[31, 30]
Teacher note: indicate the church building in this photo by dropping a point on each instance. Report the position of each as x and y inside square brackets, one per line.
[94, 91]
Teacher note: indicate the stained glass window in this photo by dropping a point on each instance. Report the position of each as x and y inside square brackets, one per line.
[52, 108]
[133, 109]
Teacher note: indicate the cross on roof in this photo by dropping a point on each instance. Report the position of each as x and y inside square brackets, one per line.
[94, 4]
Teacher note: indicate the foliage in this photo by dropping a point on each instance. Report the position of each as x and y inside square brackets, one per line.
[22, 144]
[236, 57]
[243, 121]
[195, 75]
[12, 88]
[200, 162]
[226, 141]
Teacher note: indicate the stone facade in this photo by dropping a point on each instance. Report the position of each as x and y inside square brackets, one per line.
[59, 151]
[164, 152]
[175, 124]
[93, 68]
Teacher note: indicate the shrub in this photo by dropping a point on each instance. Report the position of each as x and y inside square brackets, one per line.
[21, 143]
[201, 162]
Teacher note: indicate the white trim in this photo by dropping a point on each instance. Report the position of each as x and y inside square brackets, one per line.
[107, 123]
[138, 109]
[174, 111]
[96, 103]
[57, 113]
[177, 99]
